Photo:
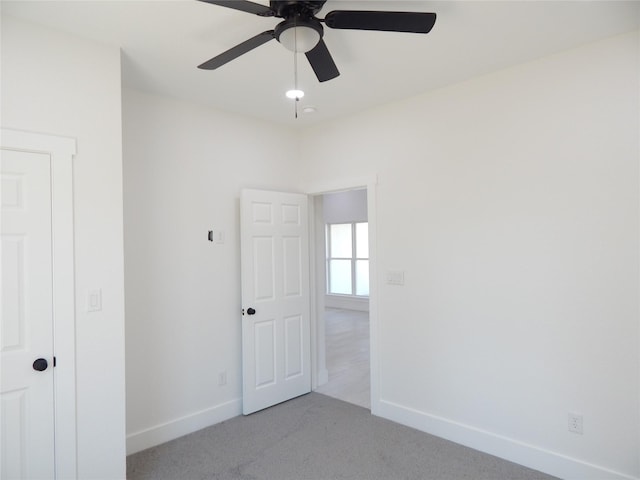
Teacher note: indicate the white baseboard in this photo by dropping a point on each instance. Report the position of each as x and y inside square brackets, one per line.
[348, 303]
[530, 456]
[179, 427]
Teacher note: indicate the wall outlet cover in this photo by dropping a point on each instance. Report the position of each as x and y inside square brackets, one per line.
[576, 423]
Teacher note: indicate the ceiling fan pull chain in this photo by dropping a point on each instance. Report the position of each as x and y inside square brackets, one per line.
[295, 71]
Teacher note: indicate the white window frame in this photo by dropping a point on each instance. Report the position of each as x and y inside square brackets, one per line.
[353, 259]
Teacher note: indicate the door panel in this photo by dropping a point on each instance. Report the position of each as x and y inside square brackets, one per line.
[293, 351]
[265, 342]
[263, 258]
[292, 253]
[13, 334]
[276, 346]
[26, 395]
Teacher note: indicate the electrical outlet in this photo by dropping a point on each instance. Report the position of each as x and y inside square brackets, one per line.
[576, 423]
[222, 379]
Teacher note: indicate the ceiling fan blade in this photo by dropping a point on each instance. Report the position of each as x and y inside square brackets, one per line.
[238, 50]
[243, 6]
[412, 22]
[321, 62]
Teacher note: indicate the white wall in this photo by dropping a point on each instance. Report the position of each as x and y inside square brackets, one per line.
[511, 203]
[184, 167]
[59, 84]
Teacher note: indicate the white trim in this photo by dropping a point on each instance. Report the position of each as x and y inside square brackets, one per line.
[150, 437]
[342, 185]
[319, 372]
[372, 214]
[540, 459]
[61, 151]
[61, 147]
[638, 292]
[318, 291]
[347, 302]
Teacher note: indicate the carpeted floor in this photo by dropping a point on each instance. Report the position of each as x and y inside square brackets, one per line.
[315, 437]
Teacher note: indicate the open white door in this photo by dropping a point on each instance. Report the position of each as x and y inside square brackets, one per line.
[276, 345]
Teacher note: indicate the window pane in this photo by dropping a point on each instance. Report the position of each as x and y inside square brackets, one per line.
[362, 240]
[362, 277]
[341, 240]
[340, 276]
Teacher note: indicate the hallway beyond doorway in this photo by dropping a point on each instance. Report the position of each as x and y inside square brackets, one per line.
[347, 344]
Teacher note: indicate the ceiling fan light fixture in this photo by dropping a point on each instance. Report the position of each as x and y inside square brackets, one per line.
[299, 39]
[299, 34]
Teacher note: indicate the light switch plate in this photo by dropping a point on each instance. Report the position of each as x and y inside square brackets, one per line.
[395, 277]
[94, 300]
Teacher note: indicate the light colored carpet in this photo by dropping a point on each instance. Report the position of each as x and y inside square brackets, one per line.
[315, 437]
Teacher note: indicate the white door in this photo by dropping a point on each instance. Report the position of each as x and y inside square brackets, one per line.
[276, 345]
[26, 394]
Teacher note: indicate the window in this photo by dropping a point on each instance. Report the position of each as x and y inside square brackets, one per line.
[348, 259]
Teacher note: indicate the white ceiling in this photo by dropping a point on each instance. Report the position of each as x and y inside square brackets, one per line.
[163, 42]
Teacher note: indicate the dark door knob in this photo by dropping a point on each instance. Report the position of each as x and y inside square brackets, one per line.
[40, 365]
[251, 311]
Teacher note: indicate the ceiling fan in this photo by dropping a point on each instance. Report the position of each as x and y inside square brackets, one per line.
[302, 31]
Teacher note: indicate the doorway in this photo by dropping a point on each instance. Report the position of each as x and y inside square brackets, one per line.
[33, 416]
[344, 305]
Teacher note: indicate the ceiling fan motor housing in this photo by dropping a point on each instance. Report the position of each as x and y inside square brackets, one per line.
[286, 8]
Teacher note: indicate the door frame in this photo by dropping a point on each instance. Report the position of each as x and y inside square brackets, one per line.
[319, 373]
[61, 151]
